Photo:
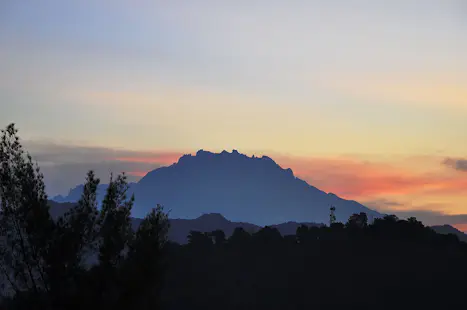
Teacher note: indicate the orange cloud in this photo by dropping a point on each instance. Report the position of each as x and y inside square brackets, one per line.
[353, 179]
[138, 173]
[461, 227]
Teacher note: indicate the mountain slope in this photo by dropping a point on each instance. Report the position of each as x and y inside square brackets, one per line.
[242, 188]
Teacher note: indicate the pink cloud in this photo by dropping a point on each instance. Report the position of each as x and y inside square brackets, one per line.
[461, 227]
[137, 173]
[355, 179]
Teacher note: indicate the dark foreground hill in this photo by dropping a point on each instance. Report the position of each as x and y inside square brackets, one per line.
[242, 188]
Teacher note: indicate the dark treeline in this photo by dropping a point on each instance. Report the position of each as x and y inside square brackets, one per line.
[389, 263]
[95, 259]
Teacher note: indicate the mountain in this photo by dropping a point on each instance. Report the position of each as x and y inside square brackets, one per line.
[75, 193]
[448, 229]
[242, 188]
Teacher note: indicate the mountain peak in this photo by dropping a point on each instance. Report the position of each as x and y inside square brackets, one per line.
[243, 188]
[203, 153]
[234, 154]
[207, 155]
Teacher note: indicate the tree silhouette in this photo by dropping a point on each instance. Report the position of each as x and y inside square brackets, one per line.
[25, 222]
[239, 236]
[87, 258]
[200, 239]
[358, 220]
[219, 237]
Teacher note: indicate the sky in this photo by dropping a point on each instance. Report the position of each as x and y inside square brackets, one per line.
[365, 99]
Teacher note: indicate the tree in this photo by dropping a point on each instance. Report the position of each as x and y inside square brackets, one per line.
[25, 222]
[199, 239]
[74, 244]
[112, 236]
[358, 220]
[142, 271]
[301, 233]
[391, 218]
[87, 258]
[239, 236]
[268, 235]
[219, 236]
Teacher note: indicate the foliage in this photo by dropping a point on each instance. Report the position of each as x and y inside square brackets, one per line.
[88, 257]
[25, 223]
[386, 264]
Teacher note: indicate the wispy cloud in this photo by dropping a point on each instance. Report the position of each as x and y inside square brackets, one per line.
[355, 179]
[61, 153]
[382, 204]
[65, 166]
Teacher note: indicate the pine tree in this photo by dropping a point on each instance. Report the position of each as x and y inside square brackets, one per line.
[85, 259]
[25, 222]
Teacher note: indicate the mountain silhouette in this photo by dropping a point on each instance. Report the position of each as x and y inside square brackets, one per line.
[242, 188]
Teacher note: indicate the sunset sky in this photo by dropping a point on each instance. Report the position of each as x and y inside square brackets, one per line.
[365, 99]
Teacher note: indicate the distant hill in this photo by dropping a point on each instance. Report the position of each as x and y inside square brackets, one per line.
[448, 229]
[180, 228]
[242, 188]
